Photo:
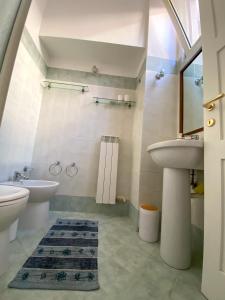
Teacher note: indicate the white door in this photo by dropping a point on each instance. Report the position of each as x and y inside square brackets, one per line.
[213, 40]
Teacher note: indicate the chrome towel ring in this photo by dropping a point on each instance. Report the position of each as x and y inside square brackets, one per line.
[72, 170]
[55, 168]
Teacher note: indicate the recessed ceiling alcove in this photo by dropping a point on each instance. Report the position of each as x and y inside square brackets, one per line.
[81, 55]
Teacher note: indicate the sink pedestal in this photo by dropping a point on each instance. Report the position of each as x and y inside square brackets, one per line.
[177, 157]
[175, 248]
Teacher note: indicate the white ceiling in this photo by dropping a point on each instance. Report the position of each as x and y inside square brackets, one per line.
[81, 55]
[113, 21]
[77, 34]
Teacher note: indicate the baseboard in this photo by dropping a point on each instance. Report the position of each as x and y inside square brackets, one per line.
[87, 204]
[134, 215]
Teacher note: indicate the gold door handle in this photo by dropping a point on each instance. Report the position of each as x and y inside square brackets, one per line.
[210, 105]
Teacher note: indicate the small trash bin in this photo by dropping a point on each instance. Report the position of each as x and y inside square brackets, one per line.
[149, 223]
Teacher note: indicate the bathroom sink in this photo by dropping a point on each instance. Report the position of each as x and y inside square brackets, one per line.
[177, 157]
[180, 153]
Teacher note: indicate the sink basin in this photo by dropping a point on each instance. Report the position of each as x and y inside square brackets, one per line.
[35, 216]
[177, 157]
[181, 154]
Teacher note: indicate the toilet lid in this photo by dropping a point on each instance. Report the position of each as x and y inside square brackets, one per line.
[11, 193]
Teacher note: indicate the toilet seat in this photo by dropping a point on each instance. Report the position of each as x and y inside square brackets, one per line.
[11, 202]
[17, 194]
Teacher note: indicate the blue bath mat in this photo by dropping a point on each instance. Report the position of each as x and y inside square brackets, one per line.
[65, 259]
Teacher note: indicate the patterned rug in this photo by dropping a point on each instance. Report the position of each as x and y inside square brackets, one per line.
[65, 259]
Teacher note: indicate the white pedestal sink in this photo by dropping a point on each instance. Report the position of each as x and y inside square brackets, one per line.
[177, 157]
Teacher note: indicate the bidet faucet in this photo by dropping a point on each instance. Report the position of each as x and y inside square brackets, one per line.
[19, 176]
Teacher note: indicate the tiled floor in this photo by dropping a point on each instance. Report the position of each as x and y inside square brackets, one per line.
[128, 267]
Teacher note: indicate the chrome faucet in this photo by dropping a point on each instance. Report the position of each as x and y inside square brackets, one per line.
[19, 176]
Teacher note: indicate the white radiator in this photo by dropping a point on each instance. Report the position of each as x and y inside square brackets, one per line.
[107, 172]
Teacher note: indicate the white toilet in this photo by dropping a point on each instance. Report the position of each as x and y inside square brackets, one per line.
[13, 200]
[35, 216]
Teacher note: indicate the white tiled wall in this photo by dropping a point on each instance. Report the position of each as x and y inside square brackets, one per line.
[156, 115]
[70, 127]
[137, 143]
[155, 119]
[159, 123]
[20, 119]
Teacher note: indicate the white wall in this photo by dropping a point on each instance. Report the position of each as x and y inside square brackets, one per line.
[34, 20]
[188, 12]
[137, 143]
[118, 21]
[197, 212]
[69, 130]
[158, 112]
[159, 123]
[162, 39]
[20, 118]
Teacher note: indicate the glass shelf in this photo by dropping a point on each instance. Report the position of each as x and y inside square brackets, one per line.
[48, 83]
[114, 101]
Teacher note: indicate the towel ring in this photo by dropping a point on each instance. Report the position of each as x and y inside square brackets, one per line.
[72, 170]
[55, 168]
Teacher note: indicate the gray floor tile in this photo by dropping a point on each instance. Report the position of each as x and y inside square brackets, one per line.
[128, 267]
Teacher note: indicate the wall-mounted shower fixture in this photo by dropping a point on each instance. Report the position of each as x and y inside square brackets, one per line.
[199, 81]
[49, 83]
[160, 75]
[95, 70]
[55, 169]
[72, 170]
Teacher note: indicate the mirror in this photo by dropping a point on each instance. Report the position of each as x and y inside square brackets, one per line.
[191, 96]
